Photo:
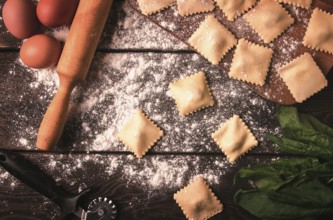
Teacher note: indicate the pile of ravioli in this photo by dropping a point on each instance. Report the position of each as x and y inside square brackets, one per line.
[251, 63]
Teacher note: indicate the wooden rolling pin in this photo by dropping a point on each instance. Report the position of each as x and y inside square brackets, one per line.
[73, 66]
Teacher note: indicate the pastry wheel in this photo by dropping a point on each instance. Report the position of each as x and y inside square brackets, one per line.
[27, 172]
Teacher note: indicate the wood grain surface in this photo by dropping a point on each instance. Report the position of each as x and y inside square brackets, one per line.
[75, 164]
[132, 199]
[274, 88]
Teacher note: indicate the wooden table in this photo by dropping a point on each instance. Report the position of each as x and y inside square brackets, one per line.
[135, 50]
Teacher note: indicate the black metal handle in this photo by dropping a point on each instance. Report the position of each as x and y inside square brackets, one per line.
[31, 175]
[34, 177]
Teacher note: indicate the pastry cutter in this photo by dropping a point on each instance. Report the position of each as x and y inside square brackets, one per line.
[28, 173]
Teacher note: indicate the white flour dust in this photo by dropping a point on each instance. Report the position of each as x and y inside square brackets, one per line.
[135, 31]
[118, 83]
[121, 82]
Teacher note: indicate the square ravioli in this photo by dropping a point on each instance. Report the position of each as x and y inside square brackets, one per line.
[303, 77]
[233, 9]
[234, 138]
[197, 200]
[319, 34]
[299, 3]
[191, 93]
[251, 62]
[212, 40]
[269, 19]
[149, 7]
[190, 7]
[139, 134]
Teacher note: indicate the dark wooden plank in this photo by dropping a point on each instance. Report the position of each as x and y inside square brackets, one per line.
[120, 82]
[287, 47]
[141, 189]
[122, 24]
[117, 84]
[25, 94]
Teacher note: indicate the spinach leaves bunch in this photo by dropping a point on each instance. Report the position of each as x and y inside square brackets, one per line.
[297, 188]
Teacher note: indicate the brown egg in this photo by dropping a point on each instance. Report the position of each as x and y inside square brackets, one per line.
[20, 18]
[40, 51]
[56, 13]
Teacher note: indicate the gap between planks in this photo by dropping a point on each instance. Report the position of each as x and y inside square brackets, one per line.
[4, 49]
[217, 154]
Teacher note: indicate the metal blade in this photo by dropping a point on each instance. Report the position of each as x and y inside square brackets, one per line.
[81, 213]
[101, 209]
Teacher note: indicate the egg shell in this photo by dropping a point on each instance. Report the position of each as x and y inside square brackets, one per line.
[20, 18]
[40, 51]
[56, 13]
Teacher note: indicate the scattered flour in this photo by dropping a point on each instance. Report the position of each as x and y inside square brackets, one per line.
[134, 31]
[151, 174]
[117, 84]
[155, 177]
[60, 33]
[121, 82]
[287, 53]
[23, 141]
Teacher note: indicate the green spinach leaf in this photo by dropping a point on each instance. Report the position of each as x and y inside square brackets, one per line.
[308, 200]
[301, 148]
[303, 134]
[297, 188]
[277, 174]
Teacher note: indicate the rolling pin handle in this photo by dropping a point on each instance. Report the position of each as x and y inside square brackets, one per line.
[55, 117]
